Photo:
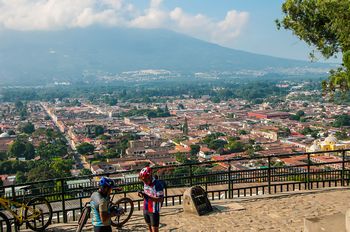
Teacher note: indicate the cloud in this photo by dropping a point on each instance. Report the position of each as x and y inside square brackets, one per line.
[202, 27]
[153, 17]
[61, 14]
[58, 14]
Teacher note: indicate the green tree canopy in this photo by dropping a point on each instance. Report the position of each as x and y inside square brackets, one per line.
[17, 149]
[85, 148]
[29, 152]
[99, 130]
[19, 105]
[27, 128]
[181, 158]
[341, 135]
[41, 172]
[324, 24]
[85, 172]
[300, 113]
[3, 156]
[20, 177]
[195, 148]
[342, 120]
[235, 146]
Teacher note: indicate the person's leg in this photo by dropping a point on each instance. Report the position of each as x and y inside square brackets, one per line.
[147, 218]
[102, 229]
[155, 222]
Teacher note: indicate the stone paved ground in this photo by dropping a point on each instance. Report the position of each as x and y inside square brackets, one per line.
[275, 213]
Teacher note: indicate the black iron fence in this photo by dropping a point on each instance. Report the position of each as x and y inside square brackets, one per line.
[229, 178]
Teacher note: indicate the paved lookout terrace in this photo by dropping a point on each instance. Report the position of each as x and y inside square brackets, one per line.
[282, 212]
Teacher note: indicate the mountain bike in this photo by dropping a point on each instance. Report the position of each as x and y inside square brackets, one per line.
[125, 203]
[36, 213]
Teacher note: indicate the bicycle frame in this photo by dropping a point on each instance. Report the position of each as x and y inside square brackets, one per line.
[20, 218]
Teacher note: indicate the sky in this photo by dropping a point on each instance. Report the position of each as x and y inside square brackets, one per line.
[240, 24]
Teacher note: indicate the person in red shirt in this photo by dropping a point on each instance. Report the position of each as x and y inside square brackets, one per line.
[153, 195]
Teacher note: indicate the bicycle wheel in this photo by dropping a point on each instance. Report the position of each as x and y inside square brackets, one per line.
[5, 225]
[85, 214]
[38, 214]
[128, 206]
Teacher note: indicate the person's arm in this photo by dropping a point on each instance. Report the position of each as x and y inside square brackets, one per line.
[104, 214]
[159, 196]
[153, 198]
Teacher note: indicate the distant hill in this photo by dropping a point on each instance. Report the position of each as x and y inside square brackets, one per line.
[41, 57]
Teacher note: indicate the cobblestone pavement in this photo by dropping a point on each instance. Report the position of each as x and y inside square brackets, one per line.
[283, 212]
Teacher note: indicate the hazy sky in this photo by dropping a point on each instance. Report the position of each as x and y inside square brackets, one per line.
[241, 24]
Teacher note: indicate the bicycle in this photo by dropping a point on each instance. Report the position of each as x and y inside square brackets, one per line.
[124, 203]
[36, 213]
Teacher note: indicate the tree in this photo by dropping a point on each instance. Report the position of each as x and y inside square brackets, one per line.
[99, 130]
[181, 158]
[19, 105]
[341, 135]
[294, 117]
[300, 113]
[235, 146]
[11, 132]
[324, 24]
[306, 131]
[3, 156]
[17, 149]
[41, 172]
[20, 177]
[85, 172]
[29, 152]
[342, 120]
[85, 148]
[217, 144]
[180, 106]
[27, 128]
[195, 148]
[61, 167]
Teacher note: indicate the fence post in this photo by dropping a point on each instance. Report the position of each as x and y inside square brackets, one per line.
[166, 195]
[308, 171]
[63, 201]
[13, 192]
[269, 174]
[230, 195]
[191, 175]
[343, 169]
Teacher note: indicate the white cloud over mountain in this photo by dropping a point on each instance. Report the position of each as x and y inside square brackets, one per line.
[62, 14]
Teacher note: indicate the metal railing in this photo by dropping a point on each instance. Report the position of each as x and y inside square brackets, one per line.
[236, 177]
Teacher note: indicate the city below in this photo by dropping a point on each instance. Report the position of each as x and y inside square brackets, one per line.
[82, 136]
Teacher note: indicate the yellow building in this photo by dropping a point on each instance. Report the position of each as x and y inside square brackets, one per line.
[330, 143]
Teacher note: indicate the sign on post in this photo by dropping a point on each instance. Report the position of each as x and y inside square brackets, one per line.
[196, 201]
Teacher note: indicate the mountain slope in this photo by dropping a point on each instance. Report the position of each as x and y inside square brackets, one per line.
[65, 55]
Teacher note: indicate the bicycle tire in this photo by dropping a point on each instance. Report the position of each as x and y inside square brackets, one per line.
[35, 226]
[4, 219]
[129, 209]
[84, 216]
